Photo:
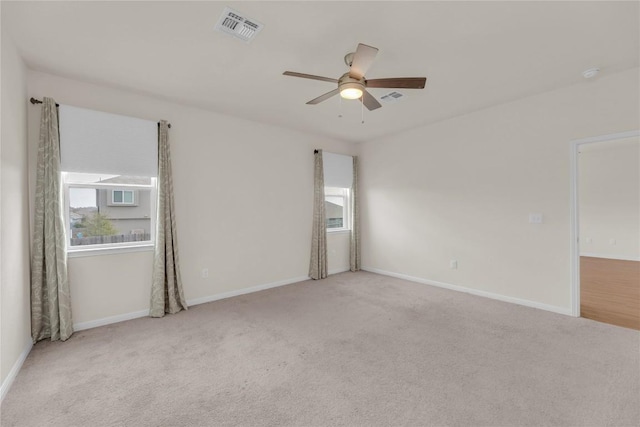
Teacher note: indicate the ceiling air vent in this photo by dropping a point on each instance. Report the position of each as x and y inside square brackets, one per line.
[391, 96]
[232, 22]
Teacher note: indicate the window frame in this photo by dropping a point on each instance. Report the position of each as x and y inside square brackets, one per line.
[85, 250]
[345, 193]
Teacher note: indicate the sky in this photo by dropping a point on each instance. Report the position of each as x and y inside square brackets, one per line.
[82, 197]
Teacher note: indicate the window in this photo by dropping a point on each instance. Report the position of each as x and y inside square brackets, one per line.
[338, 178]
[109, 165]
[122, 197]
[336, 207]
[100, 213]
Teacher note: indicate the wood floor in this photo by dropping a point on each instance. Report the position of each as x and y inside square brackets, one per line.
[610, 291]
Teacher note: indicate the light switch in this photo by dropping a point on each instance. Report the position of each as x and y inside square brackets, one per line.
[535, 218]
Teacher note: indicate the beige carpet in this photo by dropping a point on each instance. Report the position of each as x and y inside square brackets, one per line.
[357, 349]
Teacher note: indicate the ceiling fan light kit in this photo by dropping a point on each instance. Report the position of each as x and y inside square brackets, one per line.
[350, 88]
[351, 92]
[353, 85]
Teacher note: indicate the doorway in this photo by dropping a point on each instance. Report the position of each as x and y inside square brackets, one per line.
[606, 229]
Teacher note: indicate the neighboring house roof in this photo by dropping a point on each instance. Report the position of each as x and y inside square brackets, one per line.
[332, 210]
[75, 216]
[133, 180]
[84, 210]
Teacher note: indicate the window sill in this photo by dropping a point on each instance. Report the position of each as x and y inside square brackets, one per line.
[80, 253]
[338, 231]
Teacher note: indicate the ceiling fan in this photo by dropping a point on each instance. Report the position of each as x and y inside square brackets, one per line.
[353, 85]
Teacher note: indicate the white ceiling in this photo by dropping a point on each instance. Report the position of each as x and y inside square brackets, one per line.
[474, 54]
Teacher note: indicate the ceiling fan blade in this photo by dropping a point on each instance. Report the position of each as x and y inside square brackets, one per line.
[398, 82]
[323, 97]
[369, 101]
[362, 60]
[310, 76]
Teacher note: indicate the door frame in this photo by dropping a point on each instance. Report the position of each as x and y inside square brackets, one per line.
[575, 217]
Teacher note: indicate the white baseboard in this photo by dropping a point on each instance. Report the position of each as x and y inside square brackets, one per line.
[143, 313]
[616, 257]
[195, 301]
[499, 297]
[109, 320]
[6, 384]
[258, 288]
[244, 291]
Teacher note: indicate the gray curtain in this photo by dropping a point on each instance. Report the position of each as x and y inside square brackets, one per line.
[167, 295]
[50, 297]
[318, 264]
[354, 252]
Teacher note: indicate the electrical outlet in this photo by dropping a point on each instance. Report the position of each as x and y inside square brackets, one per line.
[535, 218]
[205, 273]
[453, 264]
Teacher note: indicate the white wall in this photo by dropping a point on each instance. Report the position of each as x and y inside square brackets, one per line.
[244, 194]
[14, 214]
[609, 199]
[463, 189]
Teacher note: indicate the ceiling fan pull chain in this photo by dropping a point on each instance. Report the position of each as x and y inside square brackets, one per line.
[340, 107]
[362, 107]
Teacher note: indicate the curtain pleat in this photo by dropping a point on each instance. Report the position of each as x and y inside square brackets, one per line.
[318, 264]
[167, 295]
[354, 247]
[50, 296]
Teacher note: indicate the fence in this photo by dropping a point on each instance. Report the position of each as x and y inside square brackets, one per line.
[117, 238]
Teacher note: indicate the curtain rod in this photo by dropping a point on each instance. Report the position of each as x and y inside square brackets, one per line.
[37, 101]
